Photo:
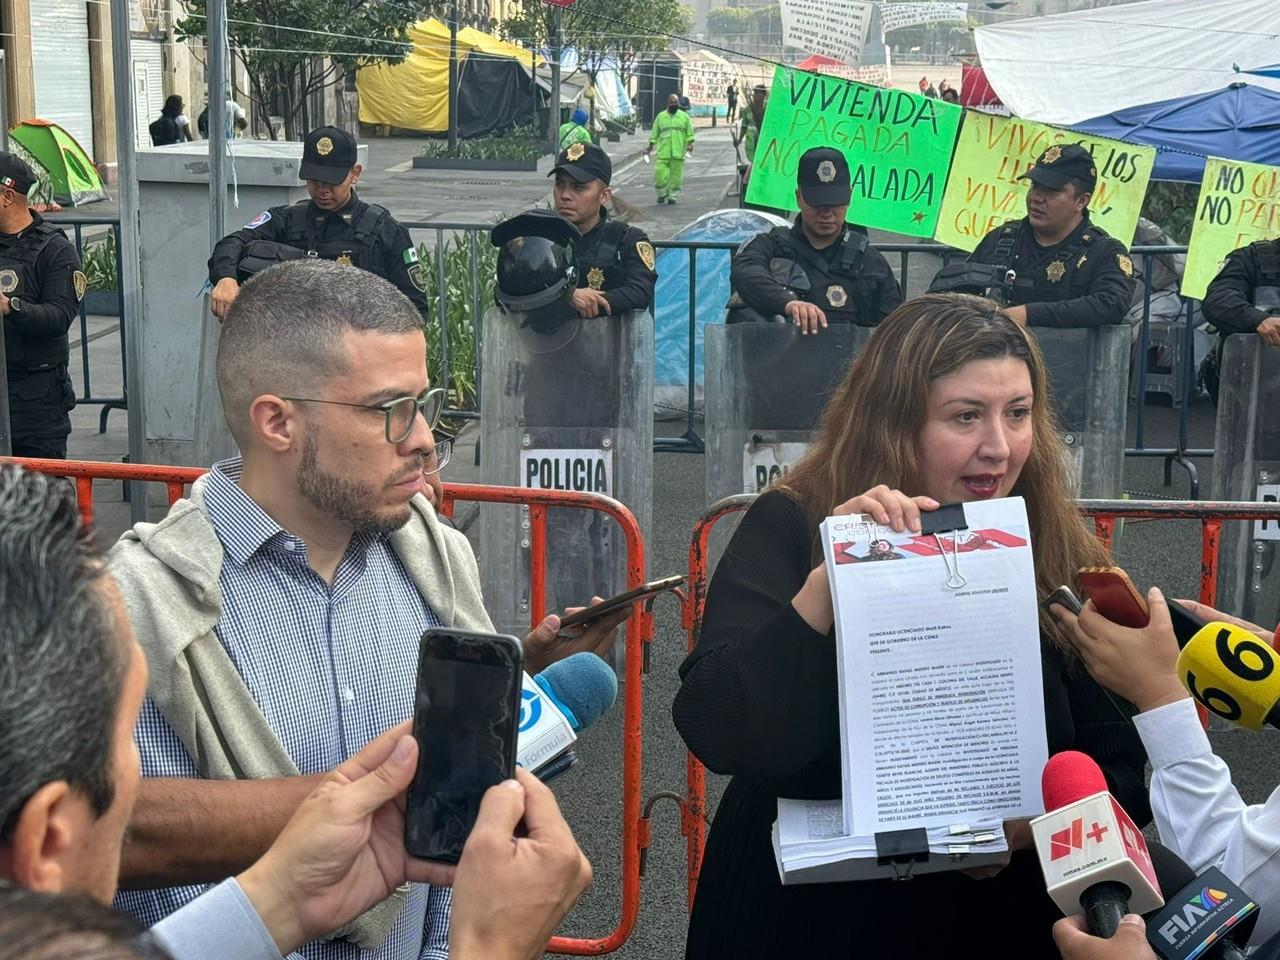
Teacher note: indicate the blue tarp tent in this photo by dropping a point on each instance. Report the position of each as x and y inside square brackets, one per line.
[1241, 122]
[1272, 71]
[671, 298]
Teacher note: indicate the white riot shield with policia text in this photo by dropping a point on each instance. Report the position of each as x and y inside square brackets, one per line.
[1089, 386]
[570, 409]
[1246, 466]
[766, 386]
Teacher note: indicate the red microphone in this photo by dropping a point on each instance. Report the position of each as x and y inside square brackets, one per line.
[1093, 855]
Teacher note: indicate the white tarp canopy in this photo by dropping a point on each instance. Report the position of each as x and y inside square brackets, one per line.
[1075, 66]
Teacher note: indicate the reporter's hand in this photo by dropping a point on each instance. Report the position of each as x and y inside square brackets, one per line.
[807, 316]
[1071, 934]
[1207, 613]
[889, 508]
[1269, 331]
[343, 850]
[1018, 314]
[1138, 664]
[546, 644]
[225, 292]
[513, 887]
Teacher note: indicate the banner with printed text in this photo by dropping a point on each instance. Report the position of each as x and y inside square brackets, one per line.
[983, 190]
[1239, 203]
[895, 16]
[898, 145]
[833, 28]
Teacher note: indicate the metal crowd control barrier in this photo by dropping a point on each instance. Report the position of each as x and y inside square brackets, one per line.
[694, 816]
[638, 637]
[113, 234]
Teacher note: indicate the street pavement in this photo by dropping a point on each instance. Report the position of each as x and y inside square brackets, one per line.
[1164, 553]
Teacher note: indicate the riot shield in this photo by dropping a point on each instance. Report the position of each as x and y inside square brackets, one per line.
[572, 411]
[1246, 466]
[1088, 372]
[766, 386]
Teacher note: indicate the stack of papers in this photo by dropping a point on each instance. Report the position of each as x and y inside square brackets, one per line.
[811, 845]
[941, 697]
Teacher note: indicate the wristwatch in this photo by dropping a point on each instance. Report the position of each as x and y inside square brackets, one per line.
[15, 304]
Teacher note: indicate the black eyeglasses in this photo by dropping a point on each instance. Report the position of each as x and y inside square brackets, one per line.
[400, 413]
[444, 450]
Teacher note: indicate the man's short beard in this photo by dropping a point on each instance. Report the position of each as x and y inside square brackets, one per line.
[343, 499]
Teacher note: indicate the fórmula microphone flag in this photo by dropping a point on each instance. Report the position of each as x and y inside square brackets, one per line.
[1233, 674]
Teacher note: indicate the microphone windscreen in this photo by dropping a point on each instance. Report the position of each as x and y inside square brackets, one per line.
[584, 683]
[1070, 776]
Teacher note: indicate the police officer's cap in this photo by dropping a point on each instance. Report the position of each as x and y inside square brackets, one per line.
[15, 173]
[823, 178]
[328, 154]
[1063, 162]
[583, 162]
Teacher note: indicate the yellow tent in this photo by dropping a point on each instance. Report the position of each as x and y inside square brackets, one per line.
[413, 94]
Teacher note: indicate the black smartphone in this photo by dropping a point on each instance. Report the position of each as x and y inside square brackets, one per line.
[1064, 597]
[642, 592]
[465, 718]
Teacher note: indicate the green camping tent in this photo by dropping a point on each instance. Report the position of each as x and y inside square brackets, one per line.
[71, 172]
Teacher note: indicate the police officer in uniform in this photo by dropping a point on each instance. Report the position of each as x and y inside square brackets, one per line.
[1066, 271]
[615, 261]
[41, 287]
[334, 224]
[1245, 295]
[819, 270]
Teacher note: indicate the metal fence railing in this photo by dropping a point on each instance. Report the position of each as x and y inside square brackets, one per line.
[87, 397]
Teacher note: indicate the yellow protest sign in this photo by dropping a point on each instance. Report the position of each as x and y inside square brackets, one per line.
[983, 189]
[1239, 203]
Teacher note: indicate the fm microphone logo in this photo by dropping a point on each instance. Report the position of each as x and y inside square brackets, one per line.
[1066, 842]
[530, 710]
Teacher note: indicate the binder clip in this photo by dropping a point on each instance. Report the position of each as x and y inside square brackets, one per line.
[901, 850]
[947, 519]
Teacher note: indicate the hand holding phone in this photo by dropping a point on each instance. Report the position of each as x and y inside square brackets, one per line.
[466, 717]
[604, 607]
[1114, 595]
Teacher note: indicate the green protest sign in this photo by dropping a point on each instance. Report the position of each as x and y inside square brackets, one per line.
[898, 145]
[1239, 203]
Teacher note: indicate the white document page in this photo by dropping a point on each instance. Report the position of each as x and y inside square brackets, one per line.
[941, 691]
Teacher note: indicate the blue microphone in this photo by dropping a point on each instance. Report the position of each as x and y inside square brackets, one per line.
[582, 687]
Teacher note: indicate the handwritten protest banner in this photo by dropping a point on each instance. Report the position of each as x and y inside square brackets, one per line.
[1239, 203]
[984, 191]
[898, 145]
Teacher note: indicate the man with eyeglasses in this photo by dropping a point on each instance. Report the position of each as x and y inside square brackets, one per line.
[281, 605]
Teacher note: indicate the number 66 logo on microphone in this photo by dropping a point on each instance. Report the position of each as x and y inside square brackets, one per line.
[1232, 674]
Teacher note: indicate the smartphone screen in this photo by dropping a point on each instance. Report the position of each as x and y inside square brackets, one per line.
[465, 720]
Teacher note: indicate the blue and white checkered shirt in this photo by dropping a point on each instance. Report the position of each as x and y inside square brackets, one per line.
[331, 667]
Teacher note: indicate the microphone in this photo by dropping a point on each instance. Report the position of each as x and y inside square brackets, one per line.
[1093, 855]
[1233, 674]
[1209, 917]
[566, 697]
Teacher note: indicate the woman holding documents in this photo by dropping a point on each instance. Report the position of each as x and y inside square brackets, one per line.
[947, 403]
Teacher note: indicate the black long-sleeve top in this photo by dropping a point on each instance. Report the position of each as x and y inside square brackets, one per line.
[1229, 302]
[758, 701]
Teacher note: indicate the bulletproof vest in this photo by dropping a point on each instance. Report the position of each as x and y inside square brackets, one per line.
[1266, 293]
[833, 286]
[605, 257]
[357, 246]
[1032, 284]
[18, 278]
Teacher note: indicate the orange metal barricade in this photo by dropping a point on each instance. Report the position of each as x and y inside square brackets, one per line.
[638, 637]
[1105, 513]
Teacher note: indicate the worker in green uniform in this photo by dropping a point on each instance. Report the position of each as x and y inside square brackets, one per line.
[575, 131]
[672, 132]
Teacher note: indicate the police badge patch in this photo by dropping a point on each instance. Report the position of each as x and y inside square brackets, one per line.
[1126, 265]
[575, 151]
[259, 220]
[416, 277]
[1052, 155]
[645, 249]
[344, 258]
[1055, 271]
[836, 296]
[324, 146]
[826, 171]
[81, 283]
[595, 278]
[8, 281]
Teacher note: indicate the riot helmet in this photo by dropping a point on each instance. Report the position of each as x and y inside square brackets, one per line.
[536, 276]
